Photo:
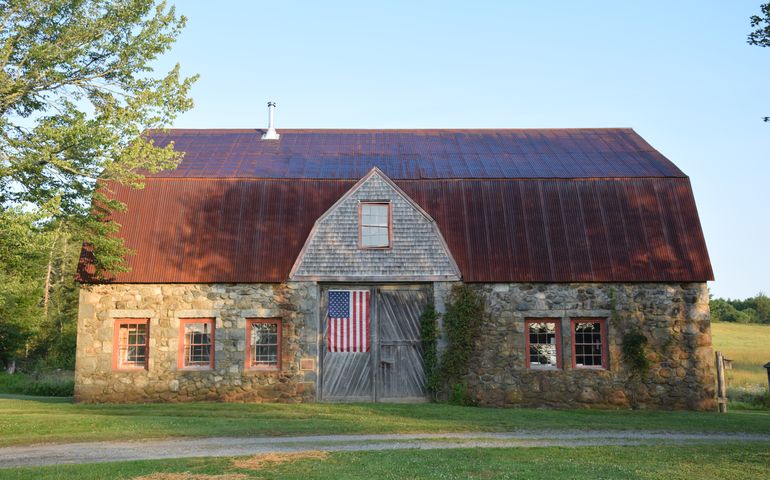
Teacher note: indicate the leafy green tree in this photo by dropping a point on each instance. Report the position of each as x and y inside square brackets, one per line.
[53, 345]
[754, 309]
[761, 36]
[762, 306]
[77, 91]
[23, 259]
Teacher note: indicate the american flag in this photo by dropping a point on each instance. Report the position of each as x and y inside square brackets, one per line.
[348, 329]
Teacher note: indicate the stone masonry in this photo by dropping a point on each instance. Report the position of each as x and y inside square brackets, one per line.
[674, 317]
[230, 304]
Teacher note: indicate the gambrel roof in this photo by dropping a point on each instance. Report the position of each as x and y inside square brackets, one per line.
[540, 205]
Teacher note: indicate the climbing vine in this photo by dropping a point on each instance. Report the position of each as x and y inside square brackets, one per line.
[634, 342]
[633, 348]
[463, 317]
[445, 375]
[429, 341]
[634, 355]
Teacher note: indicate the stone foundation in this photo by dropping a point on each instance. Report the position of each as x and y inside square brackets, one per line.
[674, 317]
[230, 304]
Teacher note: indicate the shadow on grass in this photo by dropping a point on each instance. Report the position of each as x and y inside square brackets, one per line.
[35, 419]
[35, 398]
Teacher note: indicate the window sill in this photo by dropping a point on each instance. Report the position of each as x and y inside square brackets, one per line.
[589, 367]
[542, 368]
[130, 369]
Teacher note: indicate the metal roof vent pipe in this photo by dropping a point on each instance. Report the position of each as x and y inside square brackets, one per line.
[271, 134]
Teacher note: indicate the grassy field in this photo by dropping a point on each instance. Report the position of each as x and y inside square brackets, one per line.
[748, 345]
[727, 461]
[25, 420]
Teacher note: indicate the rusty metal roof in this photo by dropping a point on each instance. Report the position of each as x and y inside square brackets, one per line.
[232, 214]
[416, 154]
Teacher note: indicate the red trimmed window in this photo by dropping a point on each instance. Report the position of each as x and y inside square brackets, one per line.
[131, 344]
[589, 342]
[263, 350]
[543, 343]
[196, 343]
[374, 225]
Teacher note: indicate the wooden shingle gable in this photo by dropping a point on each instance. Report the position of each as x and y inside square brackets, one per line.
[418, 251]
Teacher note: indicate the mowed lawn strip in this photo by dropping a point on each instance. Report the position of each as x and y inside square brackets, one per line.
[27, 420]
[726, 461]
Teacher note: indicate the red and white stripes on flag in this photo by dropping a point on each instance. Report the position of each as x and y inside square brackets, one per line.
[348, 327]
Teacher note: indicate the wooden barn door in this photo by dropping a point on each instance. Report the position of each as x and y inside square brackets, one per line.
[392, 370]
[346, 376]
[400, 375]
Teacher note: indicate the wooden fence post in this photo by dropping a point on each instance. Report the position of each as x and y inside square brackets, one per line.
[767, 366]
[721, 384]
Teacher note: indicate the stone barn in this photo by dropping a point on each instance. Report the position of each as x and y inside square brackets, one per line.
[295, 268]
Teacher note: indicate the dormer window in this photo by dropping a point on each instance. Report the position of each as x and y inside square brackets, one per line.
[374, 225]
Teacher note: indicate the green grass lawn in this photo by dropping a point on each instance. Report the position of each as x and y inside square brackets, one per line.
[727, 461]
[25, 420]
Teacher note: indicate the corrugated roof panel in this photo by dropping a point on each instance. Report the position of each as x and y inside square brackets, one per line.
[349, 154]
[513, 205]
[497, 230]
[595, 227]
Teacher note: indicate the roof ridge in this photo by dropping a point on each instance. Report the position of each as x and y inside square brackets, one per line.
[394, 130]
[423, 179]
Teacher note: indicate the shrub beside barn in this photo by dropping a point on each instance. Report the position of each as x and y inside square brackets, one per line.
[295, 269]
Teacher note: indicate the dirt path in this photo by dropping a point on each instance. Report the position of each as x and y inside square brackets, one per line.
[92, 452]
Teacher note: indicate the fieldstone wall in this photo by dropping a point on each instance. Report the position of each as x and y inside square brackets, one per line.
[674, 317]
[296, 304]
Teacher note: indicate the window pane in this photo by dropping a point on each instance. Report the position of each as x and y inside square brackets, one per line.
[132, 344]
[373, 214]
[588, 344]
[135, 354]
[203, 327]
[264, 343]
[374, 236]
[199, 354]
[198, 338]
[198, 343]
[542, 344]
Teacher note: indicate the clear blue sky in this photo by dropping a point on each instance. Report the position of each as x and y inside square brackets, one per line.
[680, 73]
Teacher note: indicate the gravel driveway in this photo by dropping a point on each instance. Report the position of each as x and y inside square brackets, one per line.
[110, 451]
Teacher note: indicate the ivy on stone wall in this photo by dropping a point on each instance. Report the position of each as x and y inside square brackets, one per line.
[633, 348]
[634, 341]
[463, 317]
[429, 340]
[633, 351]
[445, 375]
